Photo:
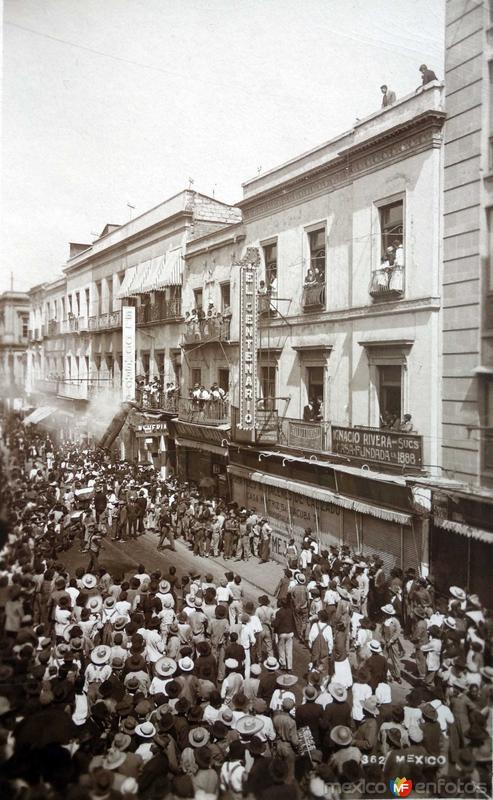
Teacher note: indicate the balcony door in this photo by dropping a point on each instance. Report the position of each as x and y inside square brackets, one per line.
[268, 382]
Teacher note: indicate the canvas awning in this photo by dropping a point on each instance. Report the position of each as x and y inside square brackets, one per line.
[124, 290]
[462, 529]
[153, 274]
[39, 414]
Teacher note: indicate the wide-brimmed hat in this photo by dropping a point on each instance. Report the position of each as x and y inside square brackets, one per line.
[128, 725]
[109, 602]
[429, 712]
[146, 730]
[338, 691]
[375, 646]
[341, 735]
[165, 667]
[164, 586]
[199, 737]
[231, 663]
[474, 600]
[135, 663]
[286, 680]
[95, 604]
[226, 717]
[249, 725]
[457, 592]
[487, 672]
[371, 706]
[88, 581]
[394, 736]
[186, 664]
[388, 609]
[271, 663]
[119, 623]
[114, 758]
[101, 654]
[310, 693]
[300, 577]
[450, 622]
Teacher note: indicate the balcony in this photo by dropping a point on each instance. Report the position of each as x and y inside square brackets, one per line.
[304, 435]
[387, 283]
[46, 385]
[159, 400]
[266, 306]
[313, 297]
[105, 322]
[153, 313]
[206, 330]
[73, 389]
[204, 412]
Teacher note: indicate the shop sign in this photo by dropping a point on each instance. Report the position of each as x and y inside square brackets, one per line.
[151, 428]
[248, 340]
[128, 353]
[383, 447]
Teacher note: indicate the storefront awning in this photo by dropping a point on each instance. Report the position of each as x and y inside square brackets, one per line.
[324, 495]
[469, 531]
[205, 447]
[154, 274]
[39, 414]
[127, 283]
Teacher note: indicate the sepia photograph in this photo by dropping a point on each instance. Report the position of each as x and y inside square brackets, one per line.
[246, 400]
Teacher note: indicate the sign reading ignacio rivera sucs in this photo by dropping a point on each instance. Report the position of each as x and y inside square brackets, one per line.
[248, 340]
[386, 447]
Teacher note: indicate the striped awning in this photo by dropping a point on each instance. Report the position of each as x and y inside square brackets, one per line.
[124, 290]
[462, 529]
[153, 274]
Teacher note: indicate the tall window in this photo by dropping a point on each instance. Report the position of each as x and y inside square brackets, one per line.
[270, 260]
[87, 307]
[268, 387]
[315, 391]
[198, 298]
[62, 307]
[196, 375]
[25, 325]
[224, 379]
[391, 229]
[69, 298]
[317, 254]
[146, 360]
[225, 296]
[98, 297]
[390, 395]
[77, 304]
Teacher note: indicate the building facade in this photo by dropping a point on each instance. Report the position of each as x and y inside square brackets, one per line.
[14, 329]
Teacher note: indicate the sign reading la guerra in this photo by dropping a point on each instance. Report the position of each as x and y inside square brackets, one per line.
[248, 340]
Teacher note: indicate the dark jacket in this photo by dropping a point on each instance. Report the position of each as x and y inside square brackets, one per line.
[377, 667]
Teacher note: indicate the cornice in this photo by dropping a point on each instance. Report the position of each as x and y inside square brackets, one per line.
[359, 312]
[391, 146]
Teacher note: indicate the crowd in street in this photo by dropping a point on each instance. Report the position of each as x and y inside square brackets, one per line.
[159, 685]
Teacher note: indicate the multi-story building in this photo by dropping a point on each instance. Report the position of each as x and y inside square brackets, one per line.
[462, 531]
[349, 241]
[14, 325]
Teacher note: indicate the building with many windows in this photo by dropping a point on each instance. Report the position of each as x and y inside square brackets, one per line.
[14, 326]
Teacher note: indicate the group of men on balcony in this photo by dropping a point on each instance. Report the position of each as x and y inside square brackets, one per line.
[197, 318]
[200, 395]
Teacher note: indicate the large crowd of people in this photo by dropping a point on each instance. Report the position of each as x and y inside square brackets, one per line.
[159, 685]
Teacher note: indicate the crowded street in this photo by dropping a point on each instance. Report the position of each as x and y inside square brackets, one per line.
[146, 653]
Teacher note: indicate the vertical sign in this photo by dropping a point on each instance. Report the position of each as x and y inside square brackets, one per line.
[248, 341]
[128, 353]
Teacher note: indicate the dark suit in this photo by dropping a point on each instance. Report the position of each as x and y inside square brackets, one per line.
[377, 667]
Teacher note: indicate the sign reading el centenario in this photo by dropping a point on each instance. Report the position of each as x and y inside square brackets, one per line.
[128, 353]
[248, 340]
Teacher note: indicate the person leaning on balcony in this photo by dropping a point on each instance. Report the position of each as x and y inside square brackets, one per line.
[262, 289]
[427, 75]
[406, 425]
[389, 97]
[309, 412]
[310, 278]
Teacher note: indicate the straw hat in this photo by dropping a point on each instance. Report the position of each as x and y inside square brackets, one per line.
[450, 622]
[94, 604]
[338, 692]
[88, 581]
[165, 667]
[249, 726]
[146, 730]
[101, 654]
[458, 593]
[199, 737]
[231, 663]
[371, 706]
[164, 586]
[186, 664]
[114, 759]
[285, 681]
[271, 664]
[121, 741]
[341, 735]
[375, 646]
[388, 609]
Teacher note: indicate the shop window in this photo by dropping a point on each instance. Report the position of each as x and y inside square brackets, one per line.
[224, 379]
[317, 245]
[391, 232]
[268, 387]
[196, 375]
[198, 295]
[225, 296]
[390, 395]
[315, 392]
[270, 260]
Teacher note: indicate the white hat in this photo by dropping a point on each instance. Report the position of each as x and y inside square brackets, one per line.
[457, 592]
[231, 663]
[146, 730]
[271, 663]
[89, 581]
[186, 664]
[375, 646]
[388, 609]
[101, 654]
[165, 667]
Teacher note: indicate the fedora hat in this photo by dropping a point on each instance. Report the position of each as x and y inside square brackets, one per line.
[249, 725]
[458, 593]
[341, 735]
[388, 609]
[101, 654]
[186, 664]
[199, 737]
[429, 712]
[284, 681]
[338, 692]
[89, 581]
[271, 663]
[310, 693]
[165, 667]
[114, 758]
[146, 730]
[371, 706]
[375, 646]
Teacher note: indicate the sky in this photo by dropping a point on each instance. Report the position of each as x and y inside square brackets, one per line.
[121, 102]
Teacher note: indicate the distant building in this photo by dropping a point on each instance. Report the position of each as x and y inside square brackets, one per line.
[14, 327]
